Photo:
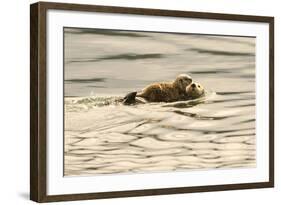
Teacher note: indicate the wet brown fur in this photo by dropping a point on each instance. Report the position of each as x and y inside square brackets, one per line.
[162, 92]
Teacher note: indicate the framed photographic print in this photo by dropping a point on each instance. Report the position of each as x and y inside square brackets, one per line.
[134, 102]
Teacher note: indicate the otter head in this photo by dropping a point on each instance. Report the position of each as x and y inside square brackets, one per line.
[195, 90]
[182, 81]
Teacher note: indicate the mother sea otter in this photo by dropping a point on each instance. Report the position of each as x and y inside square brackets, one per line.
[166, 91]
[162, 92]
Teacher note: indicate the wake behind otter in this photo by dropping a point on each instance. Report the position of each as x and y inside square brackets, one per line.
[73, 104]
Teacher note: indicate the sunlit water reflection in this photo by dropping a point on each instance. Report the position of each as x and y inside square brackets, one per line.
[105, 137]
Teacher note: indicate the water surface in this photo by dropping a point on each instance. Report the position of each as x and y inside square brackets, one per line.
[104, 137]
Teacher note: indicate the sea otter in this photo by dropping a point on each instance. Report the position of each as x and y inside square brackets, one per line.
[192, 91]
[166, 91]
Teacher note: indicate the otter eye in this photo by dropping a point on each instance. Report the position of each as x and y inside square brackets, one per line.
[198, 86]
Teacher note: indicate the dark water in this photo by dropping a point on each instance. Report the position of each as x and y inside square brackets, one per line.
[217, 131]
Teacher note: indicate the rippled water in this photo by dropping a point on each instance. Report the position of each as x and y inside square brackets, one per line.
[105, 137]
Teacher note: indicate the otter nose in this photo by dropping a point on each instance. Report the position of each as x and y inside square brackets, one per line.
[193, 85]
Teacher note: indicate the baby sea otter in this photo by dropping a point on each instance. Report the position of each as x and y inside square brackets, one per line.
[194, 90]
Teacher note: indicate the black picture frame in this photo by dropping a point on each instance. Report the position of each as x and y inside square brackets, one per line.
[38, 102]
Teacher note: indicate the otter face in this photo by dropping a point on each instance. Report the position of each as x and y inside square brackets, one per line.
[195, 90]
[182, 81]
